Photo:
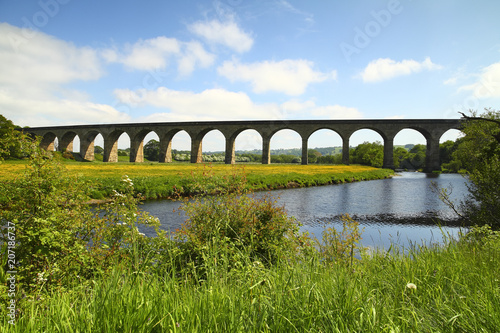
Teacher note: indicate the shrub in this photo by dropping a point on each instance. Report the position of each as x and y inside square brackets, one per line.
[341, 247]
[236, 228]
[59, 238]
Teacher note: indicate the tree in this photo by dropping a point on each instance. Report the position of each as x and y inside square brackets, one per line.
[479, 153]
[447, 156]
[152, 150]
[367, 153]
[98, 150]
[416, 156]
[313, 155]
[11, 140]
[400, 154]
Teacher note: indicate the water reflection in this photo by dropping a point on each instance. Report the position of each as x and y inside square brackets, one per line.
[403, 209]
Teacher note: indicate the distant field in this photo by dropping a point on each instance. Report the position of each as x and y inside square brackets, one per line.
[164, 180]
[9, 169]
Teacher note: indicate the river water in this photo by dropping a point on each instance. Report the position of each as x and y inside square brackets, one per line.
[402, 210]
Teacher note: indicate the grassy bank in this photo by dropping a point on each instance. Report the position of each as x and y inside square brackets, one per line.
[457, 290]
[155, 180]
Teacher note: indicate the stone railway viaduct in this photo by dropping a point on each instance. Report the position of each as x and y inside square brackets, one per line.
[431, 129]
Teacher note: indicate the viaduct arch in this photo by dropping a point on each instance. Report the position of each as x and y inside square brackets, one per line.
[431, 129]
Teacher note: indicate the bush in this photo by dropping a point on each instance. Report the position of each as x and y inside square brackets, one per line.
[236, 229]
[60, 239]
[340, 248]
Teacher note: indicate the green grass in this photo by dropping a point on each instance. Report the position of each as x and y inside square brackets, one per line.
[458, 290]
[166, 180]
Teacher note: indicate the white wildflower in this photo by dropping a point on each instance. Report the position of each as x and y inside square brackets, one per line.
[411, 286]
[117, 194]
[40, 277]
[127, 180]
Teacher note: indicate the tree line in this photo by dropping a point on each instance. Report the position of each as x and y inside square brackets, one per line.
[367, 153]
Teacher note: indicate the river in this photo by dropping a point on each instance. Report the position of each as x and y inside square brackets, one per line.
[402, 210]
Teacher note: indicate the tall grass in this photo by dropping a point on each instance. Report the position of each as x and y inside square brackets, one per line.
[457, 290]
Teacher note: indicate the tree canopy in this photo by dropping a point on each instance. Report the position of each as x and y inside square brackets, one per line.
[11, 143]
[479, 154]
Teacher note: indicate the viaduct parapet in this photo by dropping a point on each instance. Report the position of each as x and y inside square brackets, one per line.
[431, 129]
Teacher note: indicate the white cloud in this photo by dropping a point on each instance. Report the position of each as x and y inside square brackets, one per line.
[451, 81]
[156, 53]
[194, 54]
[226, 33]
[385, 68]
[488, 84]
[34, 74]
[43, 61]
[150, 54]
[287, 76]
[207, 105]
[52, 111]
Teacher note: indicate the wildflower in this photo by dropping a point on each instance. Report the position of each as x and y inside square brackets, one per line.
[117, 194]
[40, 277]
[411, 286]
[138, 232]
[127, 180]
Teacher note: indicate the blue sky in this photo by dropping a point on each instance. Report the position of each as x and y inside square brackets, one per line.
[88, 62]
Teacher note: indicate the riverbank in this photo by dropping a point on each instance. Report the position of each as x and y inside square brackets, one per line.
[453, 288]
[173, 180]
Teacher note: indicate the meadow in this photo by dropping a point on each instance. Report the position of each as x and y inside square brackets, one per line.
[171, 180]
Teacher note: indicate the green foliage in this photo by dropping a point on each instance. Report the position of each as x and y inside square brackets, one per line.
[98, 150]
[330, 159]
[313, 155]
[400, 155]
[340, 248]
[11, 140]
[416, 157]
[60, 239]
[248, 157]
[233, 225]
[367, 153]
[152, 150]
[285, 159]
[479, 154]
